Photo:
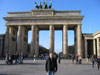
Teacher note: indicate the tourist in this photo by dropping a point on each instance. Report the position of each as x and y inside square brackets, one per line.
[77, 59]
[20, 58]
[88, 57]
[59, 58]
[12, 58]
[51, 65]
[73, 58]
[95, 57]
[7, 59]
[98, 62]
[16, 58]
[80, 60]
[92, 61]
[34, 58]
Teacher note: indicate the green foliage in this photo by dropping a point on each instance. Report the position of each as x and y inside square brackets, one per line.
[71, 50]
[43, 50]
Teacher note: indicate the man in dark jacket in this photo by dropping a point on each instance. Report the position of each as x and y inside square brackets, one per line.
[51, 65]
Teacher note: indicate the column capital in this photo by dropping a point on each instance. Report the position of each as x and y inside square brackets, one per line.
[65, 27]
[65, 24]
[20, 25]
[33, 25]
[79, 25]
[51, 25]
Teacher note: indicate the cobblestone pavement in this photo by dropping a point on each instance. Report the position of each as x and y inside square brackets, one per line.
[38, 68]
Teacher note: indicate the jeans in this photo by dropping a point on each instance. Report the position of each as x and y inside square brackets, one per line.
[50, 73]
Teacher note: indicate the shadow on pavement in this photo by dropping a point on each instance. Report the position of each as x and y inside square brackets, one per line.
[33, 64]
[9, 74]
[23, 64]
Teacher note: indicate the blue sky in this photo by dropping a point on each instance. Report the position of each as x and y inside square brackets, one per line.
[89, 8]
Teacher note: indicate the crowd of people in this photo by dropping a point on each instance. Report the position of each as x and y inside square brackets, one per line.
[15, 58]
[51, 62]
[94, 60]
[77, 58]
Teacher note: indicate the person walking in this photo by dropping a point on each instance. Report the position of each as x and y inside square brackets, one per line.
[51, 65]
[88, 58]
[77, 61]
[16, 58]
[98, 62]
[22, 57]
[7, 58]
[59, 58]
[73, 58]
[93, 61]
[80, 59]
[34, 58]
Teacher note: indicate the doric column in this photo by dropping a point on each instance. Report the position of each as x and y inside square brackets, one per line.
[37, 41]
[32, 40]
[75, 45]
[86, 48]
[12, 40]
[98, 47]
[94, 48]
[65, 40]
[19, 44]
[51, 41]
[1, 46]
[79, 40]
[6, 47]
[24, 40]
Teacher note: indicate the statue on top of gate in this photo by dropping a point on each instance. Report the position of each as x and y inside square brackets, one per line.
[44, 6]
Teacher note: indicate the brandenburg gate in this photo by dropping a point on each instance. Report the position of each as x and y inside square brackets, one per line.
[19, 23]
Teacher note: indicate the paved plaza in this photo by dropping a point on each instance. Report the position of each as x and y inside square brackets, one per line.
[38, 68]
